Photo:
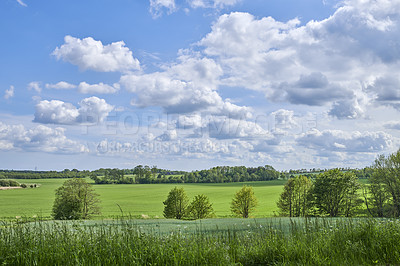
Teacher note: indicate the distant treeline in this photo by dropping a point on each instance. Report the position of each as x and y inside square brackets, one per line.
[149, 175]
[221, 174]
[11, 174]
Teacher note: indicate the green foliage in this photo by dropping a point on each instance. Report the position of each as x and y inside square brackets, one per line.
[335, 193]
[298, 242]
[12, 174]
[244, 202]
[8, 183]
[295, 199]
[383, 196]
[200, 207]
[75, 199]
[112, 176]
[175, 206]
[224, 174]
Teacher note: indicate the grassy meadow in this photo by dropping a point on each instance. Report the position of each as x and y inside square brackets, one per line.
[135, 199]
[265, 241]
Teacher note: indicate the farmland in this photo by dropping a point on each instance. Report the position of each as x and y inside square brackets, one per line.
[135, 199]
[210, 242]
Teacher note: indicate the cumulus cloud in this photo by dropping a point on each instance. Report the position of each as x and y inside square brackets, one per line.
[386, 90]
[89, 54]
[40, 138]
[319, 63]
[100, 88]
[91, 110]
[9, 93]
[185, 87]
[392, 125]
[157, 7]
[62, 85]
[342, 141]
[347, 109]
[189, 121]
[284, 119]
[35, 85]
[226, 128]
[168, 135]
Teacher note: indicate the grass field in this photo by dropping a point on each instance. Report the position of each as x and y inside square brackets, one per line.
[136, 199]
[267, 241]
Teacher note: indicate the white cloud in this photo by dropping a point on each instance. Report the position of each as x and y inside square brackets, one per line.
[100, 88]
[89, 54]
[168, 135]
[189, 121]
[320, 63]
[341, 141]
[55, 111]
[40, 138]
[212, 3]
[284, 119]
[157, 7]
[185, 87]
[22, 3]
[91, 110]
[392, 125]
[62, 85]
[35, 85]
[175, 96]
[226, 128]
[9, 93]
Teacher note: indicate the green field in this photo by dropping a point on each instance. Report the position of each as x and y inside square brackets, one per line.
[259, 241]
[135, 199]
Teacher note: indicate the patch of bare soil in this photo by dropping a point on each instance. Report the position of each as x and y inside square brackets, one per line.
[4, 188]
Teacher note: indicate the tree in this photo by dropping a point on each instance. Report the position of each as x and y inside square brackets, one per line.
[335, 193]
[244, 202]
[75, 199]
[175, 206]
[200, 207]
[295, 198]
[384, 189]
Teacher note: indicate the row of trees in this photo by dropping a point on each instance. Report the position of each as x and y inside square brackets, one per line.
[76, 199]
[224, 174]
[332, 193]
[177, 204]
[382, 196]
[337, 193]
[43, 174]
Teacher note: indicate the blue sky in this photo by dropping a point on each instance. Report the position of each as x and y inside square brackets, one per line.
[191, 84]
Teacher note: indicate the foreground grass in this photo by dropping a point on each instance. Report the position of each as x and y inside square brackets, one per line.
[313, 241]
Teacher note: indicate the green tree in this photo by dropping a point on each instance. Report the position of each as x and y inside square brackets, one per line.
[295, 198]
[244, 202]
[335, 193]
[200, 207]
[75, 199]
[384, 191]
[175, 206]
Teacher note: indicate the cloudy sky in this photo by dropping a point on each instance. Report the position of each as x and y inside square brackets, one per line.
[191, 84]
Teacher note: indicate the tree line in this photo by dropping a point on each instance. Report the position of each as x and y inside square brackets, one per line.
[337, 193]
[152, 175]
[332, 193]
[143, 174]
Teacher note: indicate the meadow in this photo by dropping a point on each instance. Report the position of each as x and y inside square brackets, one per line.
[135, 199]
[267, 241]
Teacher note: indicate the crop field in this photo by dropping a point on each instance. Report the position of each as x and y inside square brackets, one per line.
[262, 241]
[135, 199]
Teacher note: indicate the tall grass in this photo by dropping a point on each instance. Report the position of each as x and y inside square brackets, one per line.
[313, 241]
